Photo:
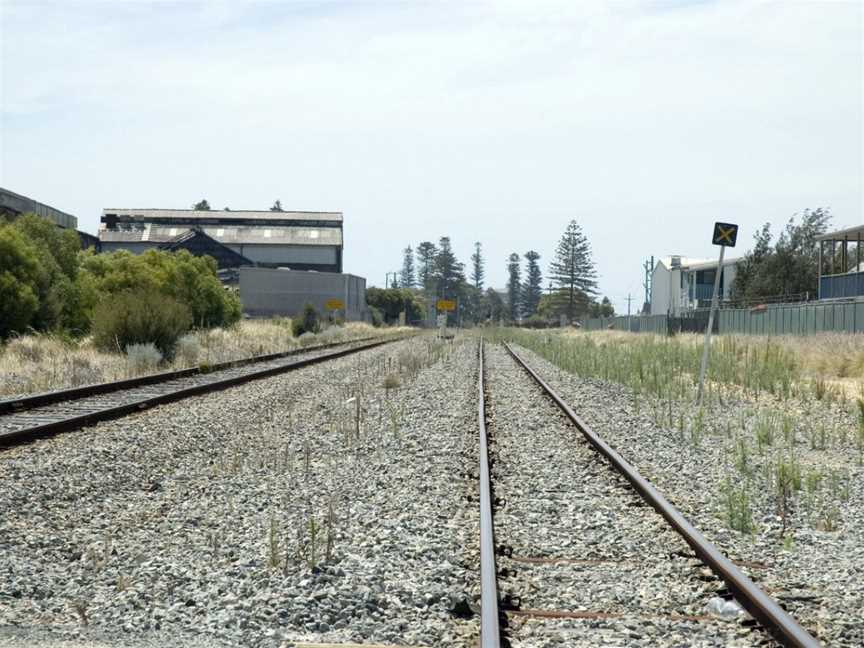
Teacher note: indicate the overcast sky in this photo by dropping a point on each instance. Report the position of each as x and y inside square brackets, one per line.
[490, 121]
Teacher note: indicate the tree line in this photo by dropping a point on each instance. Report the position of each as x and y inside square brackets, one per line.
[48, 284]
[431, 271]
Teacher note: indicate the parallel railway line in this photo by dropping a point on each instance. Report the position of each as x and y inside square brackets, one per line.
[32, 417]
[505, 613]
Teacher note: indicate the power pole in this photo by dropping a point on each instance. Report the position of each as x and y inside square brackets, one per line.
[629, 299]
[649, 270]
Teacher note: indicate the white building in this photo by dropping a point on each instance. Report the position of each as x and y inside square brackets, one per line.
[681, 284]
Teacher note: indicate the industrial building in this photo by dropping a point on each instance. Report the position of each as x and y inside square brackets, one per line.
[12, 205]
[680, 284]
[266, 292]
[295, 240]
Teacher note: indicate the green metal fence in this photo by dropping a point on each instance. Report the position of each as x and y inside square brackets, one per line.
[635, 324]
[774, 319]
[795, 319]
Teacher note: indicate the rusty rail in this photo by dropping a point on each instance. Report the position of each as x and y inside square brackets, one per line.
[14, 405]
[490, 632]
[760, 606]
[77, 421]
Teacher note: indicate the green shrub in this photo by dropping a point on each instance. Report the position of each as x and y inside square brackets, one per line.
[140, 317]
[307, 321]
[21, 277]
[377, 316]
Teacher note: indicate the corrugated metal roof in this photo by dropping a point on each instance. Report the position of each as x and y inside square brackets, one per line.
[9, 200]
[191, 214]
[227, 235]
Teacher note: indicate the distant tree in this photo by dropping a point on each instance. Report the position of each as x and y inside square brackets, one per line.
[391, 301]
[227, 209]
[407, 277]
[573, 272]
[202, 205]
[532, 289]
[277, 207]
[790, 267]
[514, 286]
[449, 272]
[602, 309]
[494, 307]
[426, 253]
[477, 263]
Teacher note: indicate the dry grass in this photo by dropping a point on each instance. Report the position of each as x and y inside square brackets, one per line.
[36, 363]
[837, 357]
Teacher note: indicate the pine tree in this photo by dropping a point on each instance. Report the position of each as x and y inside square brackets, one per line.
[426, 253]
[514, 286]
[532, 289]
[449, 273]
[573, 271]
[477, 271]
[277, 206]
[407, 278]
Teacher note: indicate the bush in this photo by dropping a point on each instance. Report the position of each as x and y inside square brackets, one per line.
[139, 317]
[143, 357]
[307, 339]
[188, 348]
[307, 321]
[21, 281]
[377, 316]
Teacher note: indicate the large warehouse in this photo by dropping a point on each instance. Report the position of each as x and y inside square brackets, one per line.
[295, 240]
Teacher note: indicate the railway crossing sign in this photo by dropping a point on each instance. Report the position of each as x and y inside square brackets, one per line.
[334, 304]
[725, 234]
[446, 305]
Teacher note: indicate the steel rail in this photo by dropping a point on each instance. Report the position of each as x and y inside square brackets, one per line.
[761, 607]
[22, 435]
[490, 632]
[16, 405]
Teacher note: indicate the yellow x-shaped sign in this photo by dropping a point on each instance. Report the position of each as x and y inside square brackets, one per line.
[725, 234]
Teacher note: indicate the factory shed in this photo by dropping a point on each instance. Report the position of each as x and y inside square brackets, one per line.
[197, 243]
[298, 240]
[268, 292]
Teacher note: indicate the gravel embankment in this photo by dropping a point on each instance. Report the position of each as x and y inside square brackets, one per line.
[819, 577]
[619, 557]
[206, 522]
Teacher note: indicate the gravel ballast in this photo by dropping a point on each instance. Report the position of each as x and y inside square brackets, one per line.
[615, 556]
[258, 516]
[818, 577]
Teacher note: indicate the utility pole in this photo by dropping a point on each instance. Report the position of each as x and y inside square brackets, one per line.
[649, 270]
[629, 299]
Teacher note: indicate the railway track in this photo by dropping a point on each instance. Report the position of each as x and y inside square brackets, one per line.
[32, 417]
[573, 551]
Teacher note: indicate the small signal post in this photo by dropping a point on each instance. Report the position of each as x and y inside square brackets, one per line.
[725, 235]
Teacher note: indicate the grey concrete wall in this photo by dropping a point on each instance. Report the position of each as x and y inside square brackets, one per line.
[267, 292]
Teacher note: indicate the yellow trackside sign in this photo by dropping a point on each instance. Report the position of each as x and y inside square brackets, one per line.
[335, 304]
[446, 305]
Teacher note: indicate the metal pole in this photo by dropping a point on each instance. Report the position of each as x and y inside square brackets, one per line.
[710, 326]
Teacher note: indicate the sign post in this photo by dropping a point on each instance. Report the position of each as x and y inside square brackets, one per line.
[725, 235]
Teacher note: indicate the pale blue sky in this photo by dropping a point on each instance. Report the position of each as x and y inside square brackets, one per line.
[490, 121]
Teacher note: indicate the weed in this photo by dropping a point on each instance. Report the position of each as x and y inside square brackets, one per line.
[739, 515]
